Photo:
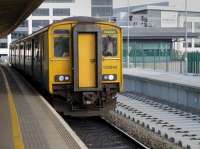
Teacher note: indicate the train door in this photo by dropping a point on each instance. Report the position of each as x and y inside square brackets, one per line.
[87, 58]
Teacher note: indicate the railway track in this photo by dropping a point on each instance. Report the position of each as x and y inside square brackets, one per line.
[97, 133]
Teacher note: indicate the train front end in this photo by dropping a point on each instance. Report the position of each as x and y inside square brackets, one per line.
[89, 70]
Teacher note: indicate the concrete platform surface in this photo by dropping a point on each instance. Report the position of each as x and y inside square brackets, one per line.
[27, 120]
[179, 79]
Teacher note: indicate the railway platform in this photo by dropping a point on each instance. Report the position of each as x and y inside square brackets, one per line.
[166, 77]
[27, 121]
[177, 126]
[180, 90]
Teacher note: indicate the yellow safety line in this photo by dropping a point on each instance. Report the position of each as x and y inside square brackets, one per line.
[16, 131]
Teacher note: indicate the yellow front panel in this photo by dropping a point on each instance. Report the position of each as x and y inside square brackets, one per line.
[59, 65]
[113, 64]
[87, 60]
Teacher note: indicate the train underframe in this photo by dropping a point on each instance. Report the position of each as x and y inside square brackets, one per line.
[87, 103]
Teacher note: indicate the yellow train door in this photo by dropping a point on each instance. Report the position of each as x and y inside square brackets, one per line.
[87, 56]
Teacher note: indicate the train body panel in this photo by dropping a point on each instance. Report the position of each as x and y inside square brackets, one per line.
[77, 57]
[57, 34]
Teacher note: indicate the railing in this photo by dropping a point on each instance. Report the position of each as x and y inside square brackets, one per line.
[194, 62]
[164, 60]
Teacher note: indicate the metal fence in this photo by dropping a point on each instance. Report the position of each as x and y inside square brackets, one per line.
[193, 64]
[164, 60]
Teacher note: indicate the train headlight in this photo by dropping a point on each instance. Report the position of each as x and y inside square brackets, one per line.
[105, 77]
[66, 78]
[62, 78]
[110, 77]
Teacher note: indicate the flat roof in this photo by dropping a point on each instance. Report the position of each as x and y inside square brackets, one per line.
[164, 8]
[157, 33]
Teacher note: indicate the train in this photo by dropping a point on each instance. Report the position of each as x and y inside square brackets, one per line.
[77, 58]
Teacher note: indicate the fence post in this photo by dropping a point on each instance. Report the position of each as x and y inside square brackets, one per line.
[181, 66]
[166, 55]
[154, 60]
[189, 62]
[143, 58]
[135, 56]
[197, 62]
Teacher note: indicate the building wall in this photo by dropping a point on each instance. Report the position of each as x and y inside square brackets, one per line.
[193, 26]
[121, 13]
[193, 5]
[53, 10]
[165, 18]
[154, 18]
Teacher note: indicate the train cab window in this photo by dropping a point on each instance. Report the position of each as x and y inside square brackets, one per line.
[61, 46]
[109, 46]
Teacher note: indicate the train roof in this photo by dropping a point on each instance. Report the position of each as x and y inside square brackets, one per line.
[83, 19]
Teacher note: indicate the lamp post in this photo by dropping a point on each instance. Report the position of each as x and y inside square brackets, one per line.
[186, 36]
[128, 37]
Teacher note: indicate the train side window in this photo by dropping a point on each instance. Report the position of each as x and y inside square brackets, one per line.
[109, 46]
[61, 46]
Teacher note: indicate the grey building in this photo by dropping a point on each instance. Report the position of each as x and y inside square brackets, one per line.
[162, 16]
[121, 14]
[157, 35]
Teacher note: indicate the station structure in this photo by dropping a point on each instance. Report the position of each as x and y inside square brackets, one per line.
[165, 103]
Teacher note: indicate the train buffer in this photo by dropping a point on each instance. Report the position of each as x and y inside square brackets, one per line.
[27, 120]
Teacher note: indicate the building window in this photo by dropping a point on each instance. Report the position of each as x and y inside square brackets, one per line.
[189, 43]
[59, 1]
[102, 2]
[61, 12]
[102, 8]
[189, 26]
[41, 12]
[102, 11]
[38, 24]
[18, 34]
[3, 43]
[197, 43]
[24, 24]
[197, 26]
